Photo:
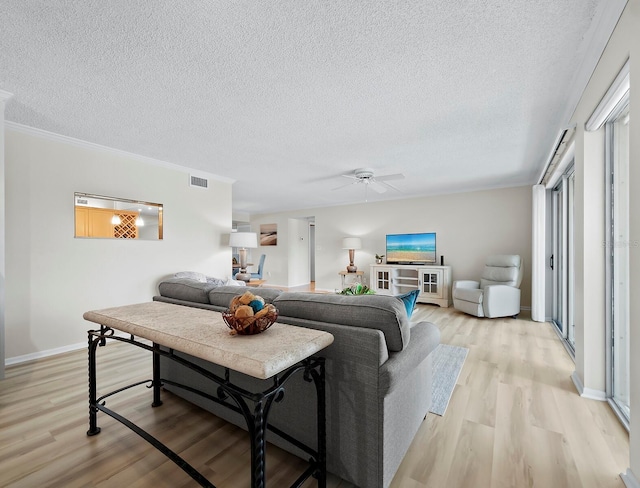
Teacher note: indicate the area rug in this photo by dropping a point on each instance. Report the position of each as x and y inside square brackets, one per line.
[447, 364]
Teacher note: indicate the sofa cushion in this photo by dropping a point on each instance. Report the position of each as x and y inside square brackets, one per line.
[186, 289]
[384, 313]
[222, 296]
[409, 300]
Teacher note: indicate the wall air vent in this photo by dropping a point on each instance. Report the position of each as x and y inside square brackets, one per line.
[199, 182]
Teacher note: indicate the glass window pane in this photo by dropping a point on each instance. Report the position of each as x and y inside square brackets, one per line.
[569, 264]
[620, 243]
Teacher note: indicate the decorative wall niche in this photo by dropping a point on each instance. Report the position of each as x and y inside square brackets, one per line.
[103, 217]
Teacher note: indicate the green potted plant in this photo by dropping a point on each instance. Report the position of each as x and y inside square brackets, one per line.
[379, 258]
[357, 289]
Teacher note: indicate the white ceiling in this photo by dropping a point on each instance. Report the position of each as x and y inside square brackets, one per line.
[285, 95]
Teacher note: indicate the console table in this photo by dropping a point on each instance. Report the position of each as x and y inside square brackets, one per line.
[278, 353]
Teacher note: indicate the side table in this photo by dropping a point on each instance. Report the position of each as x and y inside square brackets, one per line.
[350, 278]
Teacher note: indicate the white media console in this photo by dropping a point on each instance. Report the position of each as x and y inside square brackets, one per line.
[434, 282]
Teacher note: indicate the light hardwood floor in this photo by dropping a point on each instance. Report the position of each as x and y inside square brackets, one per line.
[515, 420]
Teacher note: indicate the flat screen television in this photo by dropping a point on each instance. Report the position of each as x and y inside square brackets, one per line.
[411, 248]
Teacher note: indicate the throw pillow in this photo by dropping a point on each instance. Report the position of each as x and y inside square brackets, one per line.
[231, 282]
[192, 275]
[215, 281]
[409, 300]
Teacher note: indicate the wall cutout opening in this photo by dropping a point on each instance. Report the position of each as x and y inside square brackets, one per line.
[101, 217]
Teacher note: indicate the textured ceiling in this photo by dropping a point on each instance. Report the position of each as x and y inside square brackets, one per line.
[284, 96]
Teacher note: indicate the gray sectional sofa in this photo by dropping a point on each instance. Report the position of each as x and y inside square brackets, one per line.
[378, 373]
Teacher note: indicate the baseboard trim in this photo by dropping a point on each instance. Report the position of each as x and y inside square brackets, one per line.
[567, 347]
[629, 479]
[50, 352]
[589, 393]
[577, 382]
[43, 354]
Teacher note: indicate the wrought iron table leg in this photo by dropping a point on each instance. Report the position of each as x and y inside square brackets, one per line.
[257, 445]
[157, 383]
[321, 472]
[256, 420]
[93, 410]
[103, 339]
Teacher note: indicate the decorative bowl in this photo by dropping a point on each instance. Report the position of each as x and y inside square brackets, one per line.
[249, 325]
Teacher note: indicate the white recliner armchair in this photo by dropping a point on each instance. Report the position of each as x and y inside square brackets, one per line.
[498, 292]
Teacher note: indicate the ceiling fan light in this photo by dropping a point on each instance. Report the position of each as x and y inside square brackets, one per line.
[366, 177]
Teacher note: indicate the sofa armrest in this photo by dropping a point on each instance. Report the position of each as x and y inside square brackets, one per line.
[501, 301]
[381, 312]
[363, 347]
[425, 337]
[466, 284]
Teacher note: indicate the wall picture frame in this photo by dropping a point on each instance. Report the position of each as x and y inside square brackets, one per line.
[268, 234]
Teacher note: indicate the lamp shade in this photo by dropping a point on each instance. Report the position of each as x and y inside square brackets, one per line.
[243, 239]
[351, 243]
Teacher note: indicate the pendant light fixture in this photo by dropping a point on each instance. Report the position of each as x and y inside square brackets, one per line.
[115, 220]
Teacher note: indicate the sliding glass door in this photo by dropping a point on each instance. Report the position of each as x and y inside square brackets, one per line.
[617, 141]
[562, 258]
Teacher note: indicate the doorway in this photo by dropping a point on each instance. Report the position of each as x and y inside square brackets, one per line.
[312, 253]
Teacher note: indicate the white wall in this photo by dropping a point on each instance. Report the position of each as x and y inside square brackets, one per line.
[589, 234]
[469, 227]
[53, 278]
[590, 221]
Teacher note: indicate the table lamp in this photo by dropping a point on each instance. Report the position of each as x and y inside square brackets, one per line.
[243, 240]
[351, 243]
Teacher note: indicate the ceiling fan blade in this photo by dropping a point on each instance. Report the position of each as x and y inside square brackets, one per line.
[343, 186]
[391, 186]
[397, 176]
[353, 177]
[377, 187]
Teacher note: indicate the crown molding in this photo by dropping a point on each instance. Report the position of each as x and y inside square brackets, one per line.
[616, 93]
[26, 129]
[595, 41]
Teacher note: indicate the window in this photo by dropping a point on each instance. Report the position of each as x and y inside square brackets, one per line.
[617, 258]
[562, 260]
[613, 112]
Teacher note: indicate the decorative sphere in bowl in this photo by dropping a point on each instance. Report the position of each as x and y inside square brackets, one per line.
[248, 314]
[249, 325]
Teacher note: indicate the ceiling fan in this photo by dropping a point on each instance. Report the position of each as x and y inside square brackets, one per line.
[365, 176]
